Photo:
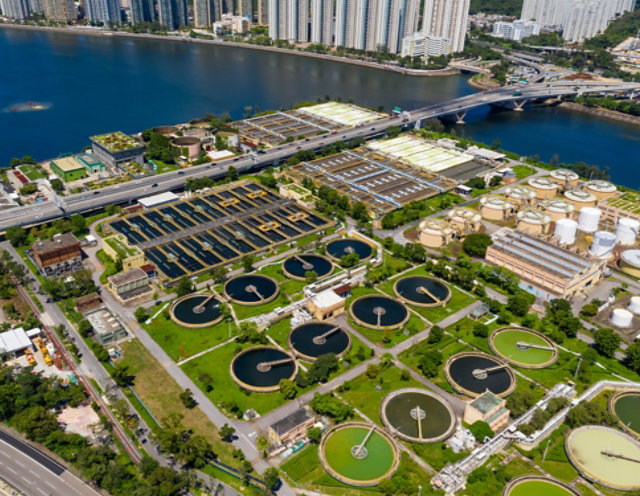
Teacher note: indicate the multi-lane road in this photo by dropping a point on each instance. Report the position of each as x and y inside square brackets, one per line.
[130, 191]
[32, 472]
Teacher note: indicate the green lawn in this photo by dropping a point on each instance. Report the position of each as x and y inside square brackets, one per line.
[522, 171]
[247, 311]
[556, 461]
[181, 342]
[32, 172]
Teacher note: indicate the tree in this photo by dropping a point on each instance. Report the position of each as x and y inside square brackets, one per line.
[57, 185]
[322, 368]
[140, 314]
[476, 244]
[393, 131]
[184, 287]
[359, 212]
[310, 276]
[271, 477]
[327, 404]
[84, 328]
[480, 330]
[232, 173]
[247, 263]
[349, 259]
[430, 362]
[606, 342]
[480, 430]
[314, 434]
[520, 401]
[288, 388]
[519, 304]
[435, 335]
[29, 189]
[78, 224]
[17, 236]
[632, 360]
[121, 376]
[227, 432]
[187, 399]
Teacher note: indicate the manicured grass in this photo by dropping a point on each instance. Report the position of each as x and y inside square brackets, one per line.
[522, 171]
[287, 286]
[181, 342]
[32, 172]
[160, 393]
[437, 455]
[556, 461]
[210, 372]
[247, 311]
[494, 484]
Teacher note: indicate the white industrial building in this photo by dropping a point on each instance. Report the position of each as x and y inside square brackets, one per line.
[15, 341]
[516, 31]
[579, 19]
[420, 45]
[446, 19]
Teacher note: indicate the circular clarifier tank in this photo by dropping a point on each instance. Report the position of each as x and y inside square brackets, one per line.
[262, 368]
[417, 415]
[605, 455]
[313, 339]
[626, 407]
[198, 310]
[251, 289]
[358, 454]
[422, 291]
[379, 312]
[473, 373]
[533, 485]
[297, 266]
[523, 347]
[341, 247]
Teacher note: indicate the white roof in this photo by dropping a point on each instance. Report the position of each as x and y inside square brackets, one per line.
[14, 340]
[159, 199]
[326, 299]
[90, 238]
[220, 154]
[485, 153]
[36, 331]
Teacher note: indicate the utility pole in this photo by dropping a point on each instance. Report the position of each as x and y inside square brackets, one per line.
[578, 367]
[544, 455]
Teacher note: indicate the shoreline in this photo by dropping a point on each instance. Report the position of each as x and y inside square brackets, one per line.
[186, 39]
[613, 115]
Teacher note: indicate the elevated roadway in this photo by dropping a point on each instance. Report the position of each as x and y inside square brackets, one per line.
[514, 96]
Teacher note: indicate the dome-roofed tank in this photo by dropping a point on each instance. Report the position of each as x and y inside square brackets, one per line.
[621, 318]
[543, 187]
[589, 219]
[627, 231]
[520, 194]
[557, 208]
[533, 221]
[566, 231]
[603, 243]
[435, 233]
[565, 177]
[630, 262]
[496, 207]
[601, 189]
[466, 219]
[634, 305]
[580, 198]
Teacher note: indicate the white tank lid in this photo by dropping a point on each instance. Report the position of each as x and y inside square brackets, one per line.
[533, 216]
[631, 257]
[542, 183]
[558, 205]
[564, 175]
[634, 305]
[580, 195]
[601, 186]
[497, 202]
[520, 192]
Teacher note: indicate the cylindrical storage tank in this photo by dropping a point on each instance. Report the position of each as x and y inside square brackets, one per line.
[581, 198]
[634, 305]
[565, 177]
[465, 218]
[557, 208]
[601, 189]
[520, 194]
[566, 231]
[630, 262]
[435, 233]
[496, 207]
[543, 187]
[589, 219]
[533, 221]
[189, 145]
[603, 243]
[165, 130]
[626, 231]
[621, 318]
[195, 132]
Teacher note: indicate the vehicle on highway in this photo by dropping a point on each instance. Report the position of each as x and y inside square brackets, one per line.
[96, 192]
[517, 93]
[154, 185]
[236, 159]
[180, 173]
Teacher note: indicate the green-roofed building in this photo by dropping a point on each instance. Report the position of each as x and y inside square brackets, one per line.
[489, 408]
[68, 169]
[91, 163]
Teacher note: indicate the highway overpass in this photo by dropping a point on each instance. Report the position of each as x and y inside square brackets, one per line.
[514, 96]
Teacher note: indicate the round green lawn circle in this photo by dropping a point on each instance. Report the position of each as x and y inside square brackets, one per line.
[505, 343]
[337, 451]
[537, 488]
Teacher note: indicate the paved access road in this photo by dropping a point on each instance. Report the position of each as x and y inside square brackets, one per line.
[36, 474]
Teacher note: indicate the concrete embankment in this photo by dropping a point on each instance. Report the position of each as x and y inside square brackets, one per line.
[601, 112]
[188, 39]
